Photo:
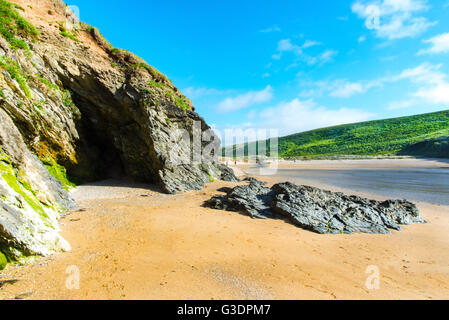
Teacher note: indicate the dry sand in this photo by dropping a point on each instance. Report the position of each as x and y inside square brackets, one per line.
[130, 242]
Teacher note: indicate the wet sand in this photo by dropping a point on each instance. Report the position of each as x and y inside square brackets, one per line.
[131, 242]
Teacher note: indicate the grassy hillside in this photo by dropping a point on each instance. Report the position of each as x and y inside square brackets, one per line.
[415, 135]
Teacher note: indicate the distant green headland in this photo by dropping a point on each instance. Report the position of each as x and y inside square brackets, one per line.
[425, 135]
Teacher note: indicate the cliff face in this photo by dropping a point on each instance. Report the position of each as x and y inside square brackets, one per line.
[74, 109]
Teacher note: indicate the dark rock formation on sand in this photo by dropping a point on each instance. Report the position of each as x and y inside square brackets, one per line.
[75, 109]
[320, 211]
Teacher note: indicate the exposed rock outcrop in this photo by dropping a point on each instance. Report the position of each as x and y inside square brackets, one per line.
[320, 211]
[73, 109]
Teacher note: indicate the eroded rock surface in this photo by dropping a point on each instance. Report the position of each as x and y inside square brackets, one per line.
[75, 109]
[317, 210]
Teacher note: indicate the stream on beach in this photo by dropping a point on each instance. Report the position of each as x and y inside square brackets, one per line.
[425, 184]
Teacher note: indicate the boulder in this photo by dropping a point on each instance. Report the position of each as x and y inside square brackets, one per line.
[253, 199]
[317, 210]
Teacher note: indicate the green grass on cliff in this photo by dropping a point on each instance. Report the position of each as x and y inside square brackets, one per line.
[66, 33]
[374, 138]
[13, 25]
[16, 73]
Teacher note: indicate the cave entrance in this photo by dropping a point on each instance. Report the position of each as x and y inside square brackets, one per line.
[105, 158]
[100, 159]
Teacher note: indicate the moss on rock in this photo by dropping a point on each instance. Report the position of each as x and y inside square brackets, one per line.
[59, 172]
[3, 261]
[10, 176]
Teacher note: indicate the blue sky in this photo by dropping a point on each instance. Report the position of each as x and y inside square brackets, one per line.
[293, 65]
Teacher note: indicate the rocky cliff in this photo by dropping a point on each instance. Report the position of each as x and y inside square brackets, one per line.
[75, 109]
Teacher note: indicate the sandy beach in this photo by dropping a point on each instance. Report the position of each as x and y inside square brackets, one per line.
[131, 242]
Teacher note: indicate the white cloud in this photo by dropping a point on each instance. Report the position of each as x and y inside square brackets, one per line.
[396, 105]
[296, 116]
[340, 88]
[245, 100]
[194, 93]
[274, 28]
[432, 87]
[424, 73]
[434, 84]
[286, 45]
[393, 19]
[438, 94]
[251, 115]
[347, 90]
[439, 44]
[361, 39]
[327, 56]
[319, 87]
[310, 43]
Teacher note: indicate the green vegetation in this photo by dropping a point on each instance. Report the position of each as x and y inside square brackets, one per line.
[143, 65]
[67, 98]
[18, 184]
[211, 179]
[59, 172]
[368, 138]
[158, 80]
[46, 82]
[38, 108]
[155, 84]
[181, 103]
[97, 36]
[66, 33]
[12, 25]
[16, 73]
[3, 261]
[69, 35]
[435, 148]
[373, 138]
[157, 75]
[89, 28]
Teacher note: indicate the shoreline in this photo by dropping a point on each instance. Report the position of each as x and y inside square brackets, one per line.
[131, 242]
[342, 163]
[414, 180]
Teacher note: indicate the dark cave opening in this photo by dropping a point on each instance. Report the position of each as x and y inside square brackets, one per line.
[99, 159]
[104, 156]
